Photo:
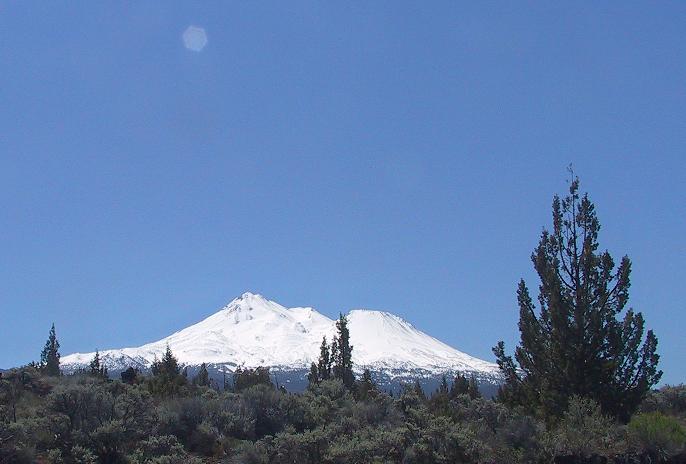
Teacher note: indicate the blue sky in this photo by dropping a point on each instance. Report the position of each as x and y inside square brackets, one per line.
[387, 155]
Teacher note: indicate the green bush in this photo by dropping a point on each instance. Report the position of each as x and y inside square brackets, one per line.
[584, 431]
[81, 455]
[657, 434]
[164, 449]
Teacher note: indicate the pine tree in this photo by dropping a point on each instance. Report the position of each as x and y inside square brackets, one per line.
[50, 356]
[168, 365]
[440, 400]
[244, 378]
[203, 377]
[578, 343]
[95, 363]
[313, 377]
[366, 388]
[460, 386]
[343, 364]
[419, 391]
[473, 388]
[97, 369]
[167, 374]
[324, 363]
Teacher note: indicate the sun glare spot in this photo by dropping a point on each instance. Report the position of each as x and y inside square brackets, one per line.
[194, 38]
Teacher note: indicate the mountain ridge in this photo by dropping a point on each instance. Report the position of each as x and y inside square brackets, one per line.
[253, 331]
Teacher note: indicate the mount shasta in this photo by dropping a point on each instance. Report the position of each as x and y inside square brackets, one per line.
[252, 331]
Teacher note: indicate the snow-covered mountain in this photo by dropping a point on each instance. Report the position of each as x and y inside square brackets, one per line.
[253, 331]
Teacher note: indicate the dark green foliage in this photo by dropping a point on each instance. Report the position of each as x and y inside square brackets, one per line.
[96, 368]
[168, 366]
[342, 368]
[460, 386]
[473, 388]
[50, 356]
[19, 385]
[161, 449]
[313, 376]
[245, 378]
[87, 419]
[324, 362]
[203, 377]
[104, 417]
[335, 361]
[366, 388]
[578, 343]
[419, 391]
[167, 378]
[130, 376]
[584, 431]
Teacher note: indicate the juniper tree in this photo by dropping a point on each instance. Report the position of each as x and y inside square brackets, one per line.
[582, 340]
[50, 356]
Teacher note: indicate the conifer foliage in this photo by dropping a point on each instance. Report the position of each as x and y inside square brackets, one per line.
[343, 355]
[50, 356]
[203, 377]
[167, 377]
[324, 364]
[97, 368]
[335, 361]
[581, 341]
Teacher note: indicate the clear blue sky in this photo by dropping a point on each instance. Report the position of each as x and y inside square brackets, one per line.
[387, 155]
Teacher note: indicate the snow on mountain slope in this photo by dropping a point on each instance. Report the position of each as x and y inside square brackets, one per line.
[385, 341]
[253, 331]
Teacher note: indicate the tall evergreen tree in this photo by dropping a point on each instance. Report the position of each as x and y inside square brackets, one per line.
[343, 363]
[167, 378]
[50, 356]
[473, 388]
[203, 377]
[460, 386]
[417, 388]
[97, 369]
[578, 343]
[324, 363]
[313, 377]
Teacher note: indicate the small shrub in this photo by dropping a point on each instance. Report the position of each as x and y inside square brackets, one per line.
[657, 434]
[584, 432]
[81, 455]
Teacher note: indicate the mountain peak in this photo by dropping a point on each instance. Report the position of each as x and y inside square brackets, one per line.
[254, 331]
[251, 295]
[247, 301]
